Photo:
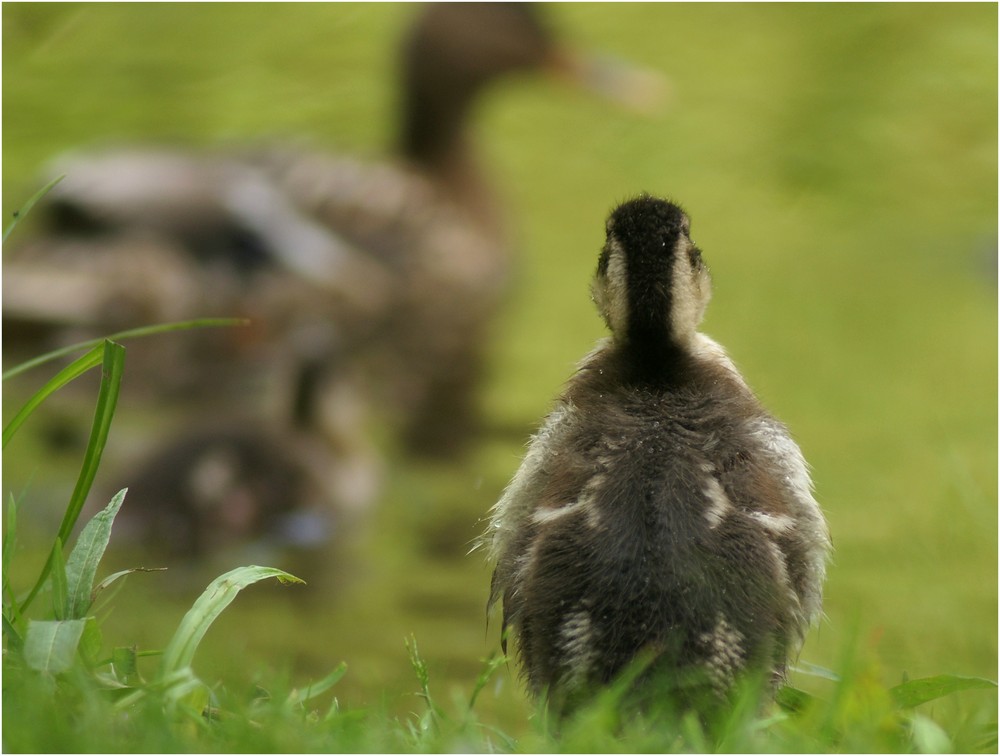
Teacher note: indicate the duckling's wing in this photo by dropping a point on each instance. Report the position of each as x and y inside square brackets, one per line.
[806, 543]
[510, 521]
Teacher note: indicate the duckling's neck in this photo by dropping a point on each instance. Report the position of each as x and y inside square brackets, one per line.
[652, 356]
[653, 362]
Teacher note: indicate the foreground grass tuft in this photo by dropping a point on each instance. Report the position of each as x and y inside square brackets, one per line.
[62, 691]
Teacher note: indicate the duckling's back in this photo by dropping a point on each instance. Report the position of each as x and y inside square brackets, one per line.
[661, 519]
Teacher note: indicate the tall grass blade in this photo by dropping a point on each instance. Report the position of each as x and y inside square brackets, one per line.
[50, 645]
[490, 666]
[26, 208]
[111, 378]
[131, 333]
[179, 653]
[11, 622]
[70, 372]
[9, 544]
[81, 566]
[14, 625]
[915, 692]
[57, 576]
[113, 366]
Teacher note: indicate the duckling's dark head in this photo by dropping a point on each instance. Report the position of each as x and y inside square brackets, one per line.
[651, 286]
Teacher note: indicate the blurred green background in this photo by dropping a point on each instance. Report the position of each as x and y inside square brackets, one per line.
[839, 163]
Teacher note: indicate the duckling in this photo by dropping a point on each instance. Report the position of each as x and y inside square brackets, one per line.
[235, 486]
[405, 262]
[217, 487]
[660, 512]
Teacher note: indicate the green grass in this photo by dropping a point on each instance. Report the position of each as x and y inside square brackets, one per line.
[840, 166]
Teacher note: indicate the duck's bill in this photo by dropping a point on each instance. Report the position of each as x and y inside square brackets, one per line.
[638, 89]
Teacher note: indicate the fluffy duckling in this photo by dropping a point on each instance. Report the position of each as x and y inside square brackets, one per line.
[232, 485]
[660, 511]
[212, 489]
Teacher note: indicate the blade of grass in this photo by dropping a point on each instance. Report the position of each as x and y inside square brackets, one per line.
[297, 697]
[14, 625]
[219, 594]
[915, 692]
[70, 372]
[490, 666]
[9, 543]
[26, 208]
[57, 575]
[107, 399]
[132, 333]
[10, 632]
[111, 378]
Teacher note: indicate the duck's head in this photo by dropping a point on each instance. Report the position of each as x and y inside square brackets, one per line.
[651, 286]
[466, 45]
[453, 51]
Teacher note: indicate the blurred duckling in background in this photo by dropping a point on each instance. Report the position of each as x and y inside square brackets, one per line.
[238, 490]
[404, 262]
[211, 490]
[660, 511]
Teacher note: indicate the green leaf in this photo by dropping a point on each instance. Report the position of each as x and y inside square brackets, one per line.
[81, 567]
[814, 670]
[26, 208]
[182, 688]
[915, 692]
[124, 662]
[91, 640]
[131, 333]
[793, 699]
[928, 736]
[50, 645]
[179, 653]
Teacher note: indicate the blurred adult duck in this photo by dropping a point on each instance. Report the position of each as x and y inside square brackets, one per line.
[405, 261]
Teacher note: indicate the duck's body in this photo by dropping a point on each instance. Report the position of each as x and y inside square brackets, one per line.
[404, 260]
[660, 509]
